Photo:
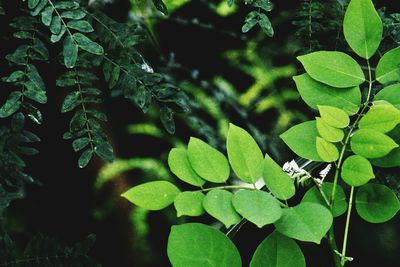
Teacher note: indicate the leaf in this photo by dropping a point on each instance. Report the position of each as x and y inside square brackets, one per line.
[104, 151]
[55, 25]
[388, 69]
[47, 15]
[70, 52]
[265, 24]
[305, 222]
[85, 158]
[31, 92]
[32, 3]
[244, 154]
[73, 14]
[339, 204]
[11, 105]
[39, 7]
[159, 4]
[80, 143]
[54, 38]
[167, 119]
[389, 161]
[250, 21]
[334, 117]
[88, 45]
[199, 245]
[333, 68]
[362, 28]
[277, 181]
[357, 171]
[155, 195]
[278, 251]
[71, 101]
[328, 132]
[257, 206]
[390, 94]
[208, 163]
[315, 93]
[179, 164]
[301, 139]
[218, 203]
[371, 143]
[326, 150]
[382, 117]
[189, 203]
[80, 25]
[376, 203]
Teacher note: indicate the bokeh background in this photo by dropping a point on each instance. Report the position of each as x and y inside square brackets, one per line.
[229, 77]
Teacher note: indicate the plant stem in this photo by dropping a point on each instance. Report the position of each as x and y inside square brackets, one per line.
[334, 248]
[346, 229]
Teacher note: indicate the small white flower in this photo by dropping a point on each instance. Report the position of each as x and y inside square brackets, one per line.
[323, 173]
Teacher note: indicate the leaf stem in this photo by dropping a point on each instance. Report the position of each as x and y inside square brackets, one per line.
[346, 229]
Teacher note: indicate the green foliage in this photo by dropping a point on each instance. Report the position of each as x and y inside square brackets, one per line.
[258, 16]
[214, 249]
[273, 252]
[357, 170]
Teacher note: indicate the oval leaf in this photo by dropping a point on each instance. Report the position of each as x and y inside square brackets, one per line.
[339, 204]
[357, 171]
[382, 117]
[305, 222]
[277, 181]
[315, 93]
[189, 203]
[301, 139]
[333, 68]
[328, 132]
[199, 245]
[179, 164]
[362, 28]
[218, 203]
[244, 154]
[388, 69]
[155, 195]
[334, 117]
[208, 163]
[371, 144]
[257, 206]
[390, 94]
[376, 203]
[274, 251]
[326, 150]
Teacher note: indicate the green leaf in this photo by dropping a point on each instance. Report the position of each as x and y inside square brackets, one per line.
[250, 21]
[80, 143]
[389, 161]
[305, 222]
[155, 195]
[104, 151]
[15, 76]
[257, 206]
[189, 203]
[278, 251]
[199, 245]
[277, 181]
[339, 204]
[88, 45]
[315, 93]
[47, 15]
[371, 143]
[301, 139]
[11, 105]
[265, 24]
[328, 132]
[388, 69]
[73, 14]
[357, 171]
[70, 52]
[362, 28]
[390, 94]
[382, 117]
[179, 164]
[326, 150]
[54, 38]
[218, 203]
[334, 117]
[71, 101]
[333, 68]
[85, 158]
[55, 25]
[39, 7]
[32, 3]
[244, 154]
[208, 163]
[33, 93]
[376, 203]
[80, 25]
